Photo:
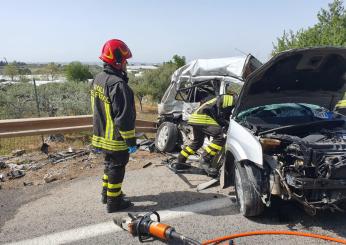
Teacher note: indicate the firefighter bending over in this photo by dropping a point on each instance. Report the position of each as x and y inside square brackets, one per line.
[208, 120]
[113, 107]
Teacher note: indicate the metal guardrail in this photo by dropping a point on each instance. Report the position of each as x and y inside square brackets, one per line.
[52, 125]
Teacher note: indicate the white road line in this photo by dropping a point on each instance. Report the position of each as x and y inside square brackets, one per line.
[109, 227]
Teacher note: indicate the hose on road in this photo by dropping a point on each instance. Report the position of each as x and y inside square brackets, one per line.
[257, 233]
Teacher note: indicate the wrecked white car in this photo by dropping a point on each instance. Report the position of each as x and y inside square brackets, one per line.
[284, 138]
[193, 84]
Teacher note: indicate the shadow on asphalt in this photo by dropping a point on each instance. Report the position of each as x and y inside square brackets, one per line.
[294, 217]
[173, 200]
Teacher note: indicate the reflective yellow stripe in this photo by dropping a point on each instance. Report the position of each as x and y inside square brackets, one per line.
[189, 150]
[207, 149]
[109, 122]
[215, 146]
[127, 137]
[92, 103]
[113, 186]
[110, 142]
[112, 145]
[341, 104]
[206, 103]
[227, 101]
[210, 101]
[105, 177]
[104, 184]
[184, 154]
[113, 194]
[110, 148]
[128, 134]
[202, 119]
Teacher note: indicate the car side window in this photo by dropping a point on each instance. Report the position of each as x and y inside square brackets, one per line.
[206, 91]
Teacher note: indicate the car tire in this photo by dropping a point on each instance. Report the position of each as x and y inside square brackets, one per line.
[166, 137]
[248, 200]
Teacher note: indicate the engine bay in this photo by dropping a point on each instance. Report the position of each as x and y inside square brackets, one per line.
[306, 158]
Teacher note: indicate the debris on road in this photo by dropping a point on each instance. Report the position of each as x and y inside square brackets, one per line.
[147, 145]
[55, 138]
[2, 177]
[14, 174]
[18, 153]
[3, 165]
[28, 183]
[66, 155]
[50, 177]
[36, 168]
[147, 165]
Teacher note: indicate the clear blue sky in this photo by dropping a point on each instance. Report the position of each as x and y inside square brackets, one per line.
[68, 30]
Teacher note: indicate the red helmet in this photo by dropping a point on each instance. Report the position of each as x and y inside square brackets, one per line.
[115, 52]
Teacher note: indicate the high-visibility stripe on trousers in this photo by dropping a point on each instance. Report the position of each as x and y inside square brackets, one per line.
[187, 151]
[113, 190]
[212, 149]
[105, 181]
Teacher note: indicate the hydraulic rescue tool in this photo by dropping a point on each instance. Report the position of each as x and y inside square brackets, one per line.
[148, 227]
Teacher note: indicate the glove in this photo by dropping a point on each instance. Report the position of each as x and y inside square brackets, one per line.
[132, 149]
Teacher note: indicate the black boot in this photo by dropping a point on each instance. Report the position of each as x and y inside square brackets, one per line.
[104, 196]
[115, 204]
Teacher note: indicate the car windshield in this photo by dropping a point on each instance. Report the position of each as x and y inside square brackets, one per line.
[284, 114]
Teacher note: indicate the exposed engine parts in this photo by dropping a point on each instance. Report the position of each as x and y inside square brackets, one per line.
[310, 169]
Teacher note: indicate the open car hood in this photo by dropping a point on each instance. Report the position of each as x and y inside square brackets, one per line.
[236, 67]
[312, 75]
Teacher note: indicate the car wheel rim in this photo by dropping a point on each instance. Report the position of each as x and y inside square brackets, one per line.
[163, 137]
[239, 190]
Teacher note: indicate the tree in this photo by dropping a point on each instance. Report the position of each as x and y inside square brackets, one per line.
[140, 88]
[158, 80]
[51, 70]
[179, 60]
[11, 71]
[76, 71]
[330, 30]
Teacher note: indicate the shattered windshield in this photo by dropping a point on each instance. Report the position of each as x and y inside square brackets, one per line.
[285, 113]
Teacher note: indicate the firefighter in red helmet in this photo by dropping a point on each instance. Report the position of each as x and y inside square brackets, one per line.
[112, 103]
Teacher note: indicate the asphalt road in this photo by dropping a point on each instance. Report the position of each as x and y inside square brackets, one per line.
[71, 212]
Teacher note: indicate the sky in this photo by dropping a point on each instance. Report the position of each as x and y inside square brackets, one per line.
[71, 30]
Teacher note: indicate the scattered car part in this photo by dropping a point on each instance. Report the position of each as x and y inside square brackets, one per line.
[2, 165]
[208, 184]
[14, 174]
[66, 155]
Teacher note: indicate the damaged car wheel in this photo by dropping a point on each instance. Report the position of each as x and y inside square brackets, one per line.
[250, 203]
[166, 137]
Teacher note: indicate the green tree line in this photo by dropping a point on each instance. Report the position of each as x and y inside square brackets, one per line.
[330, 30]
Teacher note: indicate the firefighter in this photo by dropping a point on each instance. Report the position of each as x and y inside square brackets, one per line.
[210, 119]
[112, 103]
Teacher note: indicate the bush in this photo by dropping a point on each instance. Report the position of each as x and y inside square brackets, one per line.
[77, 72]
[55, 99]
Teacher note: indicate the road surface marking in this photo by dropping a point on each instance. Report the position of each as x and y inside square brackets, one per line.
[109, 227]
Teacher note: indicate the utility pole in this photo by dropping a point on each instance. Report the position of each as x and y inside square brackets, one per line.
[44, 146]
